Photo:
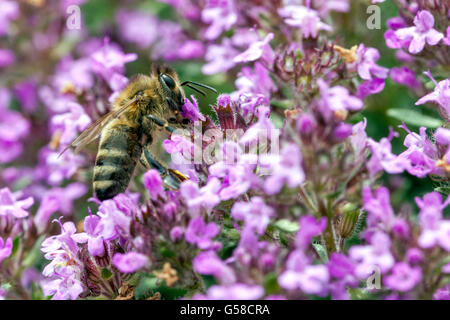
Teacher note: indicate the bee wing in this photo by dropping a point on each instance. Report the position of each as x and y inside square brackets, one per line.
[94, 130]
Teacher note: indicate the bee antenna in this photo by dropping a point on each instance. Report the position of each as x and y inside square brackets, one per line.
[195, 89]
[200, 85]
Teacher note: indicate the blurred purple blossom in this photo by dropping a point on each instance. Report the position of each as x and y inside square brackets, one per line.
[207, 262]
[422, 32]
[305, 18]
[403, 277]
[221, 15]
[201, 234]
[366, 64]
[7, 58]
[255, 213]
[9, 12]
[5, 248]
[130, 261]
[404, 76]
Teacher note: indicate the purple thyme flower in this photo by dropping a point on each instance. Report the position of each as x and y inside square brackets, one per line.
[342, 131]
[116, 216]
[414, 255]
[208, 262]
[377, 254]
[404, 76]
[7, 58]
[110, 59]
[58, 199]
[403, 277]
[421, 153]
[26, 94]
[153, 182]
[378, 207]
[205, 197]
[435, 230]
[305, 18]
[440, 95]
[221, 15]
[96, 246]
[5, 248]
[235, 169]
[442, 136]
[340, 266]
[9, 12]
[255, 81]
[130, 262]
[236, 291]
[13, 128]
[383, 158]
[11, 206]
[70, 124]
[336, 100]
[311, 279]
[421, 33]
[366, 64]
[54, 169]
[73, 72]
[255, 213]
[191, 110]
[65, 268]
[219, 57]
[446, 40]
[138, 27]
[285, 168]
[200, 233]
[369, 87]
[256, 50]
[359, 137]
[325, 6]
[309, 228]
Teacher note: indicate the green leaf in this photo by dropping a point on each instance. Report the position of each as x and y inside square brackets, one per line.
[106, 274]
[167, 253]
[34, 255]
[286, 225]
[320, 249]
[443, 190]
[415, 118]
[16, 245]
[271, 285]
[150, 285]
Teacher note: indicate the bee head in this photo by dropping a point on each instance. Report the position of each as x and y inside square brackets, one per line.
[170, 83]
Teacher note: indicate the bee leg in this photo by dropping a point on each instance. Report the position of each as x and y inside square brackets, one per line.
[171, 178]
[161, 123]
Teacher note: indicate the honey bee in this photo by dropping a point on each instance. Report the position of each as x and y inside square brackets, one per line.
[147, 108]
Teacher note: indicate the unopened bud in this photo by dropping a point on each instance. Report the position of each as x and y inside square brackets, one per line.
[350, 214]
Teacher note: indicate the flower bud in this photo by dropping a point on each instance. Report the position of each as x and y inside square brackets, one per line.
[342, 131]
[306, 124]
[350, 214]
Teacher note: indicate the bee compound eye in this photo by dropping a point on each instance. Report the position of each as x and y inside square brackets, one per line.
[168, 81]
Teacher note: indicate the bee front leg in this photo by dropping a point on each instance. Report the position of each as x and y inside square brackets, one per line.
[171, 178]
[160, 122]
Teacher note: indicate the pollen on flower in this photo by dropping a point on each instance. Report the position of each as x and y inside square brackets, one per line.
[68, 88]
[444, 165]
[291, 113]
[349, 55]
[341, 114]
[55, 140]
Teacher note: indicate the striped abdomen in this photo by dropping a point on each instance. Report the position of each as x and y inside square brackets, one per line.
[118, 152]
